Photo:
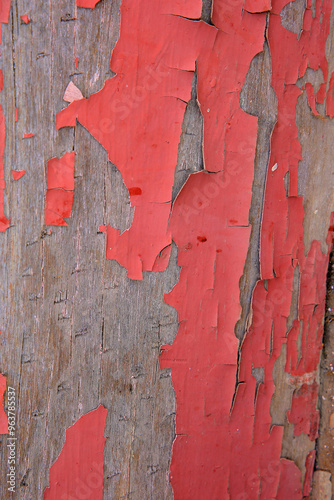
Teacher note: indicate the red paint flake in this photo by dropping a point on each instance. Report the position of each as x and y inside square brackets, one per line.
[78, 471]
[28, 136]
[1, 80]
[87, 4]
[309, 465]
[289, 484]
[25, 19]
[3, 416]
[123, 117]
[60, 192]
[16, 114]
[76, 62]
[17, 174]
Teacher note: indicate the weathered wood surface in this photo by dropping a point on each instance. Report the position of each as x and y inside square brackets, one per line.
[76, 331]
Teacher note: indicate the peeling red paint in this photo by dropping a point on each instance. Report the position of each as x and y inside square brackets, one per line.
[78, 471]
[211, 441]
[210, 226]
[60, 192]
[16, 114]
[76, 62]
[29, 135]
[3, 416]
[219, 427]
[17, 174]
[123, 118]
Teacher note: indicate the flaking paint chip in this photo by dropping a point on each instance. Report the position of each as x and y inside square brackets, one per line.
[72, 93]
[274, 167]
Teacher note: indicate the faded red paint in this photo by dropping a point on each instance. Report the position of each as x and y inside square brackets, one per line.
[123, 117]
[17, 174]
[3, 416]
[60, 192]
[78, 471]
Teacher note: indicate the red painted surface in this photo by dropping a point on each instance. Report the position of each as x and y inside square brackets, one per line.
[17, 174]
[76, 62]
[220, 453]
[16, 114]
[60, 192]
[88, 4]
[78, 471]
[3, 416]
[225, 446]
[123, 117]
[25, 19]
[29, 135]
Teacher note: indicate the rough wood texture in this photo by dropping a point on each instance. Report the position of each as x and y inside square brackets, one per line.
[76, 331]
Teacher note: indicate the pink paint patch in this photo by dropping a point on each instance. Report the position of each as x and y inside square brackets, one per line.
[17, 174]
[78, 471]
[3, 416]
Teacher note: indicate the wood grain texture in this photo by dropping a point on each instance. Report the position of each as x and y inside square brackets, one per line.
[75, 331]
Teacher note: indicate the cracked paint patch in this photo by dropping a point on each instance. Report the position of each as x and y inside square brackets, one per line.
[210, 226]
[78, 471]
[219, 424]
[60, 192]
[3, 416]
[154, 61]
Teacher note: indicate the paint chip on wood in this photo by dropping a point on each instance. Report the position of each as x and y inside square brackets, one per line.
[72, 93]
